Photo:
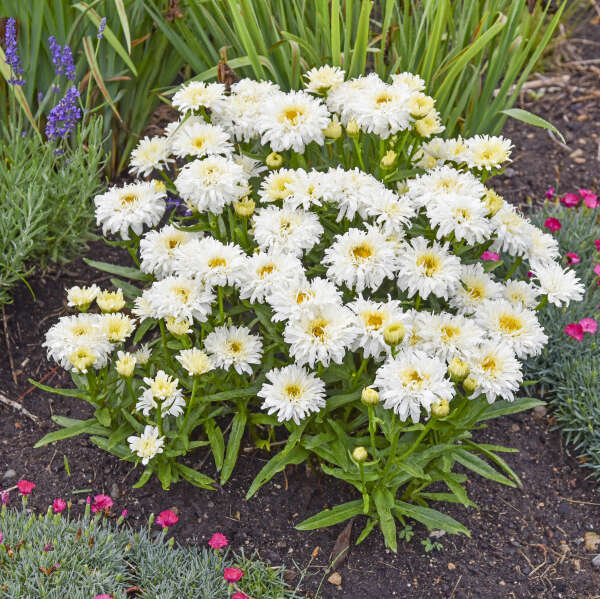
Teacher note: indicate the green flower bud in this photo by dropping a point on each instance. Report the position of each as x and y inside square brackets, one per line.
[274, 160]
[440, 408]
[352, 128]
[393, 334]
[469, 385]
[458, 370]
[360, 454]
[369, 396]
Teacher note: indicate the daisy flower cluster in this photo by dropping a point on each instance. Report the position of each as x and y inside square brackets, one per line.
[308, 266]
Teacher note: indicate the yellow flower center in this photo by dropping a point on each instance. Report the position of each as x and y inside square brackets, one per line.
[128, 199]
[383, 98]
[490, 365]
[293, 391]
[265, 270]
[411, 378]
[448, 332]
[217, 262]
[292, 115]
[462, 215]
[476, 291]
[198, 142]
[235, 347]
[509, 323]
[430, 263]
[79, 330]
[182, 293]
[301, 297]
[373, 320]
[318, 328]
[362, 252]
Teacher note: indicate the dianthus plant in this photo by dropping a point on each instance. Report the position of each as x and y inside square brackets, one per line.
[319, 270]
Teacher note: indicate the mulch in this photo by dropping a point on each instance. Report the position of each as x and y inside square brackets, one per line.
[524, 543]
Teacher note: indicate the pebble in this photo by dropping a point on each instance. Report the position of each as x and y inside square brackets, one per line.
[9, 474]
[114, 491]
[596, 561]
[539, 412]
[335, 579]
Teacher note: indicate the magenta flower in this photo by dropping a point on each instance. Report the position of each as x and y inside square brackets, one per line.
[48, 547]
[597, 269]
[571, 200]
[589, 325]
[529, 274]
[232, 575]
[572, 258]
[590, 199]
[124, 514]
[218, 541]
[25, 487]
[574, 330]
[491, 256]
[549, 193]
[103, 596]
[167, 518]
[58, 505]
[553, 224]
[1, 537]
[102, 503]
[239, 596]
[597, 244]
[4, 497]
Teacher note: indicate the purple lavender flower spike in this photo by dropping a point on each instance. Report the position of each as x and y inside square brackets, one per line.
[62, 58]
[64, 116]
[12, 55]
[67, 63]
[101, 28]
[55, 50]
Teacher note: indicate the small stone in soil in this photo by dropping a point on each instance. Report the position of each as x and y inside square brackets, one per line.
[335, 579]
[539, 412]
[596, 561]
[9, 474]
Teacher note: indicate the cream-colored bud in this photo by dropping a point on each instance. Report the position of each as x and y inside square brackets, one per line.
[160, 186]
[110, 301]
[458, 369]
[333, 130]
[245, 207]
[274, 160]
[82, 358]
[393, 334]
[352, 128]
[360, 454]
[82, 297]
[441, 408]
[389, 159]
[125, 365]
[429, 125]
[493, 202]
[420, 104]
[178, 326]
[369, 396]
[469, 384]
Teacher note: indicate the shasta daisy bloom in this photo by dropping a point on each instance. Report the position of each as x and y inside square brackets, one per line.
[252, 168]
[181, 297]
[321, 80]
[118, 327]
[275, 186]
[322, 335]
[410, 381]
[147, 445]
[430, 124]
[517, 326]
[157, 250]
[409, 80]
[487, 152]
[195, 361]
[130, 207]
[496, 371]
[360, 259]
[125, 364]
[541, 247]
[420, 104]
[293, 393]
[301, 296]
[201, 139]
[234, 346]
[448, 336]
[286, 230]
[351, 191]
[425, 269]
[561, 285]
[371, 319]
[266, 271]
[197, 94]
[82, 297]
[212, 262]
[150, 153]
[143, 354]
[306, 189]
[178, 326]
[292, 121]
[512, 230]
[142, 307]
[110, 301]
[162, 390]
[212, 183]
[391, 213]
[83, 358]
[521, 293]
[463, 215]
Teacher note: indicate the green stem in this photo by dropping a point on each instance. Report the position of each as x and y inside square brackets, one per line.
[159, 422]
[221, 310]
[372, 429]
[189, 406]
[418, 302]
[416, 444]
[358, 152]
[394, 446]
[514, 267]
[163, 335]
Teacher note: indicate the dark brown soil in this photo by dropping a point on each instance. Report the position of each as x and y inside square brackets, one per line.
[526, 543]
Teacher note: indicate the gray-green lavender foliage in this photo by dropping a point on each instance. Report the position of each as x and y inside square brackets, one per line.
[55, 556]
[567, 369]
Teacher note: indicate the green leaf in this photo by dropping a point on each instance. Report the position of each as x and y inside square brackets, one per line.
[233, 394]
[130, 291]
[448, 497]
[103, 416]
[503, 408]
[145, 477]
[489, 453]
[78, 428]
[384, 502]
[217, 443]
[114, 269]
[57, 391]
[124, 23]
[196, 478]
[432, 519]
[532, 119]
[238, 426]
[337, 514]
[366, 531]
[481, 467]
[164, 474]
[146, 325]
[120, 451]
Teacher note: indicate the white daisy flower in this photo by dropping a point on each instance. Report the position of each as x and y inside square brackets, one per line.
[82, 297]
[150, 153]
[275, 186]
[234, 346]
[448, 336]
[302, 296]
[130, 207]
[323, 335]
[147, 445]
[197, 94]
[201, 139]
[541, 247]
[392, 213]
[411, 81]
[360, 259]
[425, 269]
[180, 297]
[517, 326]
[117, 327]
[476, 287]
[252, 168]
[293, 393]
[560, 285]
[162, 390]
[512, 230]
[521, 293]
[292, 121]
[143, 354]
[487, 152]
[340, 98]
[265, 271]
[410, 381]
[321, 80]
[212, 183]
[157, 249]
[195, 361]
[350, 191]
[286, 230]
[496, 371]
[306, 189]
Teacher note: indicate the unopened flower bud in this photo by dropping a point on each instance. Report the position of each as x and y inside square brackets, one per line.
[333, 130]
[389, 158]
[274, 160]
[458, 369]
[493, 202]
[369, 396]
[125, 365]
[420, 105]
[360, 454]
[160, 186]
[82, 297]
[110, 301]
[245, 207]
[469, 385]
[178, 326]
[393, 334]
[441, 408]
[352, 128]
